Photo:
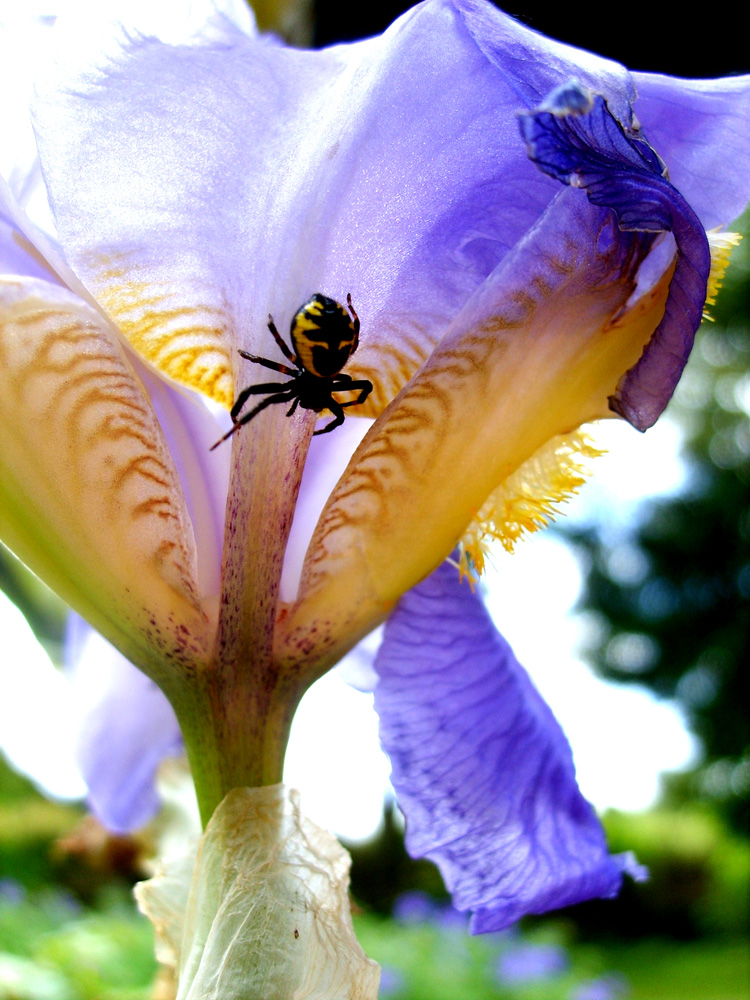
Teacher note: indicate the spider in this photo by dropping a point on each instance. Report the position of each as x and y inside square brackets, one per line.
[324, 336]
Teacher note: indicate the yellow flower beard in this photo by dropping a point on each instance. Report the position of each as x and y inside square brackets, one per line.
[721, 246]
[528, 499]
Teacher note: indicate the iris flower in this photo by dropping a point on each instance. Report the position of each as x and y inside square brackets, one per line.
[522, 229]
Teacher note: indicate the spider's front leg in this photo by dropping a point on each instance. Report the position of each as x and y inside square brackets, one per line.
[277, 397]
[279, 340]
[267, 363]
[252, 390]
[337, 409]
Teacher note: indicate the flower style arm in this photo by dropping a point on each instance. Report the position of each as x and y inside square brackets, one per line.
[575, 138]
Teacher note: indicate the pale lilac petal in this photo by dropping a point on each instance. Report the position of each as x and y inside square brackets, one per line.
[26, 43]
[126, 728]
[415, 200]
[21, 252]
[190, 428]
[327, 458]
[700, 130]
[357, 668]
[534, 64]
[482, 771]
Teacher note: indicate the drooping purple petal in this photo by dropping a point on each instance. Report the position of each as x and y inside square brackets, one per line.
[575, 138]
[127, 727]
[481, 768]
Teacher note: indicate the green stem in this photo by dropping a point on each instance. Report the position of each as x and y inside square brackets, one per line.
[235, 739]
[236, 713]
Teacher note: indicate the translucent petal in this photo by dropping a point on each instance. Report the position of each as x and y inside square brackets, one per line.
[126, 727]
[413, 206]
[699, 128]
[267, 911]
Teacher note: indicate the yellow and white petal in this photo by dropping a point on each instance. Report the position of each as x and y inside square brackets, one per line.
[534, 354]
[89, 497]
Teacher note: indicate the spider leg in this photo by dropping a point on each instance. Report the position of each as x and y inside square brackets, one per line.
[363, 384]
[267, 363]
[338, 413]
[290, 355]
[252, 390]
[293, 407]
[355, 317]
[277, 397]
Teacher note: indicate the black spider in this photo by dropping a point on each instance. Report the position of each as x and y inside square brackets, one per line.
[324, 336]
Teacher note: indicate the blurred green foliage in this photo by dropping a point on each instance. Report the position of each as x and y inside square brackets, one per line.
[698, 885]
[53, 949]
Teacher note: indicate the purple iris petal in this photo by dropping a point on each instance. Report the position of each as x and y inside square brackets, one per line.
[574, 137]
[408, 141]
[700, 128]
[127, 729]
[481, 768]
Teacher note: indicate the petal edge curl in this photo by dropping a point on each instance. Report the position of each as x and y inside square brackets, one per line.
[575, 138]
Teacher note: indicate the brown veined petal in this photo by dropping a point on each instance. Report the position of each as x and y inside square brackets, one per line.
[534, 354]
[186, 337]
[89, 497]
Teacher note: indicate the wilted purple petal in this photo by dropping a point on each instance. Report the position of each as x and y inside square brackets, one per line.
[574, 137]
[127, 727]
[482, 770]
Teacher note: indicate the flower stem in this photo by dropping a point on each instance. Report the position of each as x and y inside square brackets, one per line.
[237, 713]
[237, 741]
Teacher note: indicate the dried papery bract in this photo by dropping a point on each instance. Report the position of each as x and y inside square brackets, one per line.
[267, 914]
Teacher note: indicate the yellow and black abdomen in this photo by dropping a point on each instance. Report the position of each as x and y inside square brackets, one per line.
[323, 335]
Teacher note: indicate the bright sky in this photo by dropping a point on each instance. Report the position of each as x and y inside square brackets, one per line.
[622, 738]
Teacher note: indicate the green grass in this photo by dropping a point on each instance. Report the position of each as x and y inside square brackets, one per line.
[54, 949]
[668, 970]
